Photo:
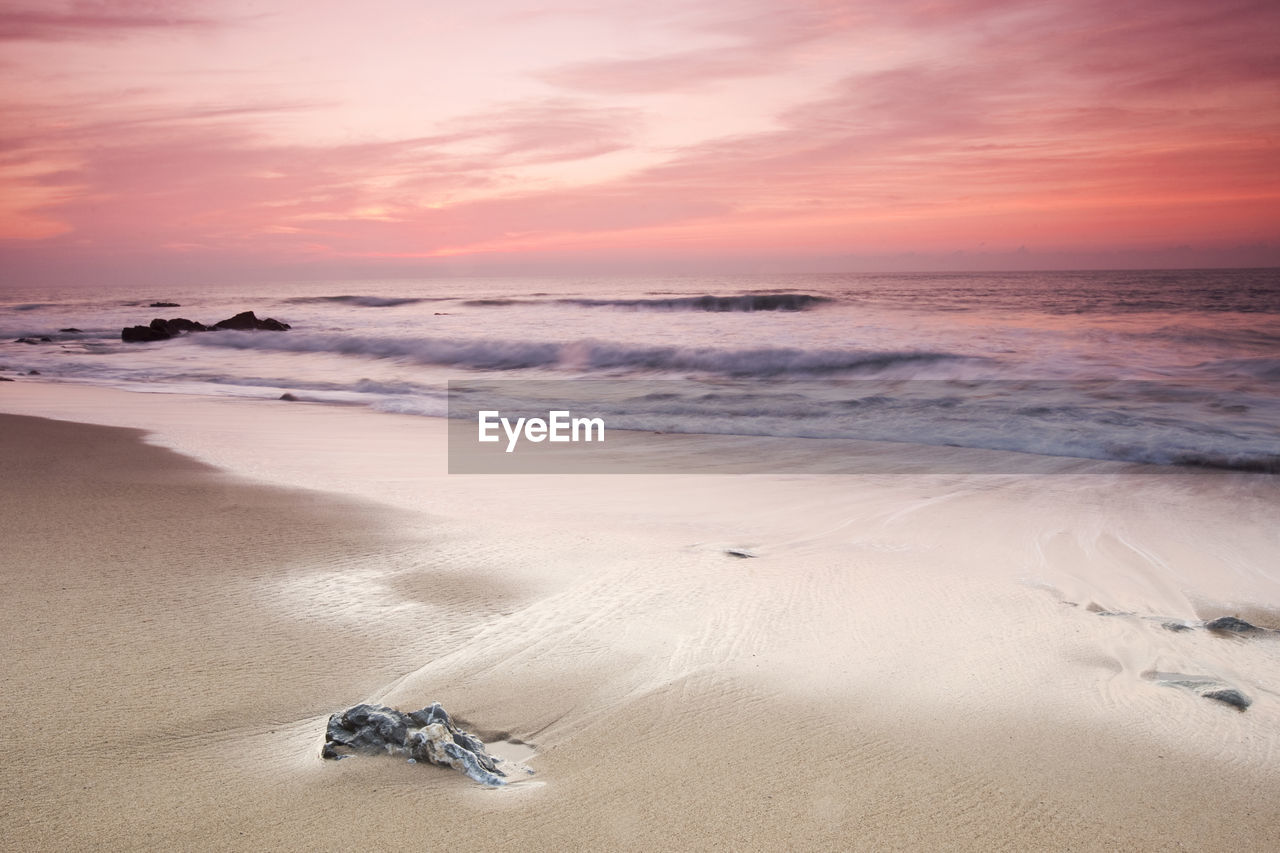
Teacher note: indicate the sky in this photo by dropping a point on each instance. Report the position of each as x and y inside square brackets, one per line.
[214, 140]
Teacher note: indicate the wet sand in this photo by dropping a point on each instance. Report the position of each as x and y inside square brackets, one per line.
[906, 663]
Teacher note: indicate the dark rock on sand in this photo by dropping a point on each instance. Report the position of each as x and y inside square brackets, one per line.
[1175, 626]
[33, 373]
[1229, 696]
[5, 379]
[41, 340]
[1203, 685]
[426, 735]
[741, 553]
[287, 396]
[247, 321]
[165, 305]
[1232, 625]
[71, 329]
[143, 334]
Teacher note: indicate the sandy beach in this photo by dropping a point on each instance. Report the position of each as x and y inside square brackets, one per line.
[907, 662]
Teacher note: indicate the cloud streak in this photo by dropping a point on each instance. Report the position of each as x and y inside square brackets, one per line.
[764, 39]
[96, 20]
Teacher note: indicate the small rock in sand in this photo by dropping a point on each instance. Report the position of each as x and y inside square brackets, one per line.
[1229, 696]
[1203, 685]
[427, 735]
[1232, 625]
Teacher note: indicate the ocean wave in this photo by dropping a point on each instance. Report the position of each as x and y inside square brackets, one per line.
[747, 302]
[752, 362]
[586, 355]
[1136, 422]
[1260, 367]
[364, 301]
[479, 354]
[1231, 337]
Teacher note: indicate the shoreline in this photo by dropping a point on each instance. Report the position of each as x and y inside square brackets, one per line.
[867, 680]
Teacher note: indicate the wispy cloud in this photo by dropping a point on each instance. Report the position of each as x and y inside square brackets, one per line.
[206, 177]
[91, 20]
[762, 38]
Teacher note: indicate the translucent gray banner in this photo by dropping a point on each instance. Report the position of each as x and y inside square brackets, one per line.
[909, 426]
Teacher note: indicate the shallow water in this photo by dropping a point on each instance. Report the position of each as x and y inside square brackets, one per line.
[1168, 367]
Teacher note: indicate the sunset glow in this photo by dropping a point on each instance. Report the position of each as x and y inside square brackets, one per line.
[393, 136]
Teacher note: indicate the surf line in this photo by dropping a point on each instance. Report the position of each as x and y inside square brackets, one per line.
[559, 425]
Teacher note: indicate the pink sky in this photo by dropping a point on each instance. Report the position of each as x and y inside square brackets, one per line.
[316, 137]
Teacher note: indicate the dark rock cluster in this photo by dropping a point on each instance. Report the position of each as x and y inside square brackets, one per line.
[426, 735]
[162, 330]
[1206, 686]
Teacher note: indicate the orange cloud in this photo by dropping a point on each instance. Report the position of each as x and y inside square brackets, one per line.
[917, 126]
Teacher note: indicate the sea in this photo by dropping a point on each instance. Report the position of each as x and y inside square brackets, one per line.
[1161, 367]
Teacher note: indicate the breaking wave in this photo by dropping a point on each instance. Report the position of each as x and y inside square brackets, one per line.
[747, 302]
[587, 355]
[363, 301]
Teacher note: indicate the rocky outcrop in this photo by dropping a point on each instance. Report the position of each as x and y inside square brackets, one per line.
[247, 321]
[162, 330]
[181, 324]
[428, 735]
[143, 334]
[164, 305]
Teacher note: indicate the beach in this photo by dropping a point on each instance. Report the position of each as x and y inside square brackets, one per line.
[902, 661]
